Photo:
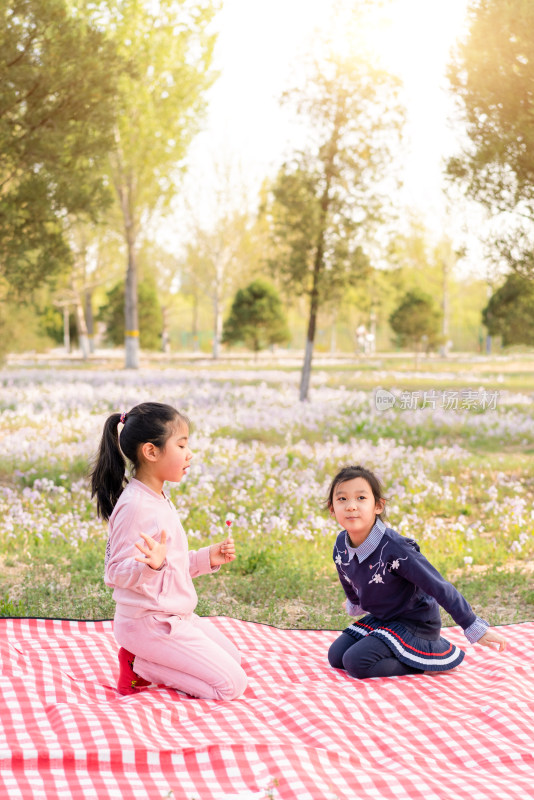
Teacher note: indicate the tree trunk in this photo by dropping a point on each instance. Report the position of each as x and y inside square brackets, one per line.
[194, 323]
[217, 323]
[445, 309]
[314, 295]
[89, 320]
[372, 331]
[66, 329]
[312, 324]
[165, 344]
[217, 309]
[333, 334]
[306, 370]
[318, 264]
[131, 323]
[124, 185]
[81, 327]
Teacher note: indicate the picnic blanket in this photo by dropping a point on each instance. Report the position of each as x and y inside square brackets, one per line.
[302, 731]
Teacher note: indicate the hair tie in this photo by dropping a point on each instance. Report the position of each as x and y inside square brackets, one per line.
[123, 417]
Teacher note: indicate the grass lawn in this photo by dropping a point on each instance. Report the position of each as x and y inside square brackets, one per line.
[458, 478]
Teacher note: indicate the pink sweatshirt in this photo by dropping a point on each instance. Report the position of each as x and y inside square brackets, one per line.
[139, 589]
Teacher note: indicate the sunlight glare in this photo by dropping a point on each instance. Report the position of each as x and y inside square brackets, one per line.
[409, 38]
[261, 51]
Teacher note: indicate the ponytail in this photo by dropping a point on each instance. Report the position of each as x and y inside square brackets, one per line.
[146, 422]
[108, 477]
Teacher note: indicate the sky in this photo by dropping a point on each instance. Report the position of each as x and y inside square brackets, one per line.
[259, 53]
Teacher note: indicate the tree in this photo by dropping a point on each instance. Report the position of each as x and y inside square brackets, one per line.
[161, 97]
[150, 316]
[329, 194]
[192, 271]
[427, 266]
[163, 267]
[493, 79]
[223, 256]
[97, 254]
[416, 321]
[256, 318]
[510, 311]
[223, 251]
[58, 80]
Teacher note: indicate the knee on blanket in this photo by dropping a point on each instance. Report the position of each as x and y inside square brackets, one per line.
[338, 649]
[235, 685]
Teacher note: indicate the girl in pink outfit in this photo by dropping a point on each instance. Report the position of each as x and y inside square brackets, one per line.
[149, 565]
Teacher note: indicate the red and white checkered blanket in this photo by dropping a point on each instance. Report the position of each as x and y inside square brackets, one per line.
[302, 731]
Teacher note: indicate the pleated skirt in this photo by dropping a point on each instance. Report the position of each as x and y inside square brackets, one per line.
[435, 655]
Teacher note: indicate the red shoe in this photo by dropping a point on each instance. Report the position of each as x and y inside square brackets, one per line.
[129, 681]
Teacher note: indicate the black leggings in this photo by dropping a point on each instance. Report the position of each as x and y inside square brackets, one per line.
[369, 657]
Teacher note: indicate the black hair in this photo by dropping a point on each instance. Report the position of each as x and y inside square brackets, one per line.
[146, 422]
[347, 474]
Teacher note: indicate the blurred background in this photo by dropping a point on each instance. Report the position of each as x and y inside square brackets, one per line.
[338, 177]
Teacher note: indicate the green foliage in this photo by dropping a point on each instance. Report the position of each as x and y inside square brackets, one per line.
[256, 318]
[314, 252]
[220, 258]
[161, 98]
[58, 83]
[467, 300]
[416, 320]
[295, 216]
[510, 311]
[150, 316]
[492, 77]
[34, 322]
[50, 321]
[326, 197]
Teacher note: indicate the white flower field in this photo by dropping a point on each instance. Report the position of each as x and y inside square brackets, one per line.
[457, 477]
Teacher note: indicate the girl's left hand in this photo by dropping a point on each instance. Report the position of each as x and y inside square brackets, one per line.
[493, 639]
[154, 552]
[222, 553]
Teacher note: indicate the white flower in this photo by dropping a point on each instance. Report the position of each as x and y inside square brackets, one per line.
[395, 564]
[376, 578]
[338, 559]
[468, 559]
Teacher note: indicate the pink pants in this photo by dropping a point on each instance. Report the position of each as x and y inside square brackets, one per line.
[187, 653]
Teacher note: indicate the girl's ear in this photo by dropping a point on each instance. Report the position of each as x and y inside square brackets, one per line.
[380, 505]
[149, 451]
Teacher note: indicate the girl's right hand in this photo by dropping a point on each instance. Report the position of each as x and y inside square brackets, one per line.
[154, 553]
[493, 638]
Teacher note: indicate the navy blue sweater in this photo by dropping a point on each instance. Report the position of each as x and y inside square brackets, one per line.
[388, 577]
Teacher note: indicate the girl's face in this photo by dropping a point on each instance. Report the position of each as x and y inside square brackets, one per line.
[355, 508]
[172, 462]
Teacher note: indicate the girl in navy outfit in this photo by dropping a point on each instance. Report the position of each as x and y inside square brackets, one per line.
[385, 577]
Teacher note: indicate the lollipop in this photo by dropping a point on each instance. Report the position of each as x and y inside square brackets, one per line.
[229, 520]
[229, 524]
